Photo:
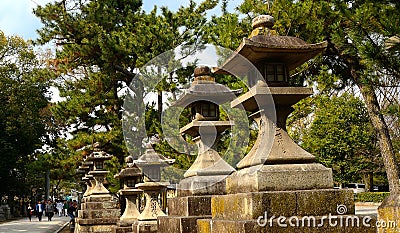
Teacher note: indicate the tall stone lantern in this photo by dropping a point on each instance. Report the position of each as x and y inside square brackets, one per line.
[99, 173]
[277, 177]
[206, 176]
[151, 163]
[274, 57]
[130, 176]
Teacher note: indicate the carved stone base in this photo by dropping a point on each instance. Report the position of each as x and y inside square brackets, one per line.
[179, 224]
[243, 206]
[319, 211]
[99, 213]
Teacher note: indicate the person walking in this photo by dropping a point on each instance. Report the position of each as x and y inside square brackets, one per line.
[71, 210]
[49, 210]
[30, 212]
[65, 208]
[39, 210]
[59, 207]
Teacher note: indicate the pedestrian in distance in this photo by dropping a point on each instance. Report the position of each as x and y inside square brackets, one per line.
[59, 207]
[30, 212]
[49, 210]
[39, 210]
[65, 208]
[71, 210]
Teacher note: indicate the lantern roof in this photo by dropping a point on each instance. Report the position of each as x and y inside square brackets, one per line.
[152, 158]
[265, 45]
[131, 169]
[97, 154]
[204, 87]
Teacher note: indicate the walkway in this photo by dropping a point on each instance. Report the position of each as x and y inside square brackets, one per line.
[367, 208]
[23, 225]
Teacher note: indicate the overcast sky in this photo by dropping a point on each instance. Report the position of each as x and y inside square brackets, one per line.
[16, 17]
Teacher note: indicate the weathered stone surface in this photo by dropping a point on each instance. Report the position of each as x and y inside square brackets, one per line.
[244, 206]
[176, 224]
[99, 221]
[94, 214]
[320, 202]
[99, 205]
[93, 228]
[251, 205]
[280, 177]
[99, 198]
[389, 213]
[208, 162]
[122, 229]
[202, 185]
[189, 206]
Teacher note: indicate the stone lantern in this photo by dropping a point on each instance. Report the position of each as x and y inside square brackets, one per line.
[274, 57]
[151, 163]
[206, 176]
[99, 173]
[130, 176]
[207, 173]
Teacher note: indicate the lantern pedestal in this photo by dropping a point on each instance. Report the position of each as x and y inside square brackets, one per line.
[131, 212]
[147, 220]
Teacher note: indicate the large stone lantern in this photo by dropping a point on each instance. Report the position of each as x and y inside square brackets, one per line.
[151, 163]
[274, 57]
[88, 179]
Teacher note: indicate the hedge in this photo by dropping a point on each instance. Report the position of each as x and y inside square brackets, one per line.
[371, 196]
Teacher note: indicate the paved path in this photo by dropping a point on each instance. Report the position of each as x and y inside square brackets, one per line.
[23, 225]
[367, 208]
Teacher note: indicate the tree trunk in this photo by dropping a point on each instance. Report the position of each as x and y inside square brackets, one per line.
[159, 104]
[47, 185]
[383, 136]
[159, 98]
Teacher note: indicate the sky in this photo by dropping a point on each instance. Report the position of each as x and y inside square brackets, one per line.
[17, 18]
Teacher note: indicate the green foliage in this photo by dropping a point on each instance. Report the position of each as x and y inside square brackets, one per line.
[340, 136]
[23, 94]
[371, 196]
[101, 45]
